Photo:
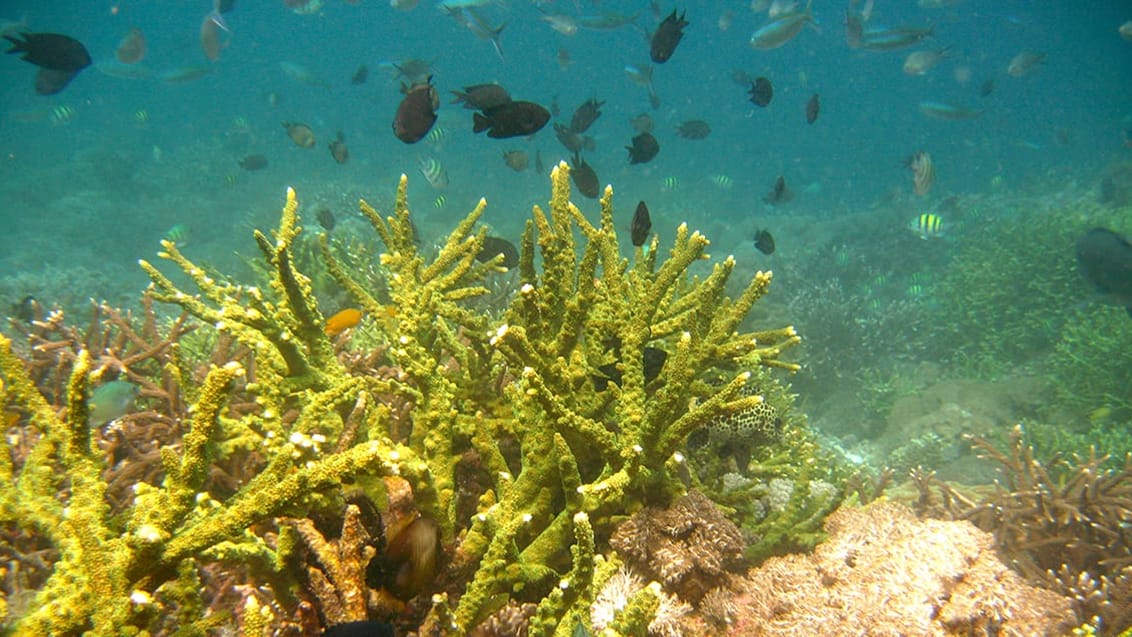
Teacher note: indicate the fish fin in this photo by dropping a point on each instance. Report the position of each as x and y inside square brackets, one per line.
[480, 123]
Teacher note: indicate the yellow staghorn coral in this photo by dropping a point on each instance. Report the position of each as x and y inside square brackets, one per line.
[559, 457]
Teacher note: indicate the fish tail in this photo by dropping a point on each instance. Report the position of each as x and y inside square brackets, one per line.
[480, 123]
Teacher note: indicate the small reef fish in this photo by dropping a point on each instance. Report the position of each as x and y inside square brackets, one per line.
[563, 58]
[666, 37]
[644, 149]
[1025, 63]
[923, 172]
[585, 115]
[927, 226]
[780, 193]
[1104, 258]
[471, 18]
[693, 129]
[253, 162]
[417, 112]
[940, 110]
[652, 360]
[110, 401]
[762, 91]
[303, 74]
[212, 40]
[641, 226]
[764, 242]
[404, 5]
[642, 123]
[62, 114]
[60, 58]
[781, 29]
[326, 219]
[813, 108]
[342, 321]
[131, 49]
[27, 310]
[178, 234]
[607, 21]
[301, 134]
[495, 246]
[894, 38]
[563, 23]
[183, 74]
[478, 97]
[584, 177]
[361, 74]
[920, 62]
[433, 172]
[513, 119]
[516, 160]
[338, 149]
[1125, 31]
[412, 70]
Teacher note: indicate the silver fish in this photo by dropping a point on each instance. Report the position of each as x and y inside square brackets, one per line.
[781, 29]
[303, 74]
[475, 22]
[1024, 63]
[940, 110]
[894, 38]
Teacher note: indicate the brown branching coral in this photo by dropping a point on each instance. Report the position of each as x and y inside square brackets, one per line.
[687, 546]
[1063, 523]
[883, 572]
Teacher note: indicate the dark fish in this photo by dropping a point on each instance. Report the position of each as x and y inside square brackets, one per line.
[27, 310]
[644, 148]
[326, 218]
[338, 149]
[253, 162]
[987, 88]
[1105, 260]
[813, 107]
[584, 177]
[360, 75]
[667, 36]
[51, 51]
[301, 134]
[493, 246]
[538, 162]
[480, 97]
[693, 129]
[762, 91]
[642, 224]
[513, 119]
[764, 242]
[569, 138]
[360, 629]
[585, 115]
[653, 360]
[417, 112]
[779, 193]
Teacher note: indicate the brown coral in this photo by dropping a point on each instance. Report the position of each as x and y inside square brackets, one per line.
[884, 572]
[687, 546]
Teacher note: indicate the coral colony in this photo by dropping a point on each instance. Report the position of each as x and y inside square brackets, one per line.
[598, 446]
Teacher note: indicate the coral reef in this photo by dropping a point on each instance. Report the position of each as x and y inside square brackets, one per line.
[514, 454]
[883, 572]
[1063, 524]
[687, 546]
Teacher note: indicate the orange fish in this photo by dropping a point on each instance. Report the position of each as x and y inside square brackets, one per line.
[132, 48]
[343, 321]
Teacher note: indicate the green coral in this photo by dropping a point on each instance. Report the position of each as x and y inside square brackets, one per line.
[586, 456]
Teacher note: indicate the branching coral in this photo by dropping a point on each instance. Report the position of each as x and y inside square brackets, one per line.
[503, 415]
[1063, 524]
